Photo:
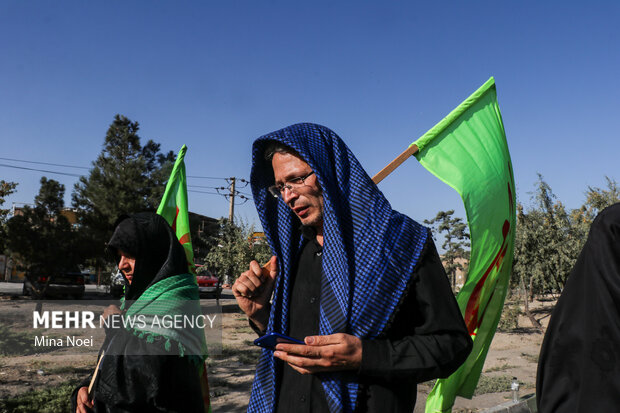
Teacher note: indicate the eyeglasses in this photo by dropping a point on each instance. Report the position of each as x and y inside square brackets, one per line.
[278, 190]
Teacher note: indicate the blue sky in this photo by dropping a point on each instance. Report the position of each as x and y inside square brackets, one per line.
[216, 75]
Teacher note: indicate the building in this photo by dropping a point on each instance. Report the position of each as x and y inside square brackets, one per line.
[461, 275]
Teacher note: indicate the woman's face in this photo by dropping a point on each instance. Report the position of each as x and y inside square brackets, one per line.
[127, 265]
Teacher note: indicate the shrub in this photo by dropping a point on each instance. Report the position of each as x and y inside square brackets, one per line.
[53, 400]
[510, 317]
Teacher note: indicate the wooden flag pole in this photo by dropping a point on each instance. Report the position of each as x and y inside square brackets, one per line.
[92, 381]
[410, 151]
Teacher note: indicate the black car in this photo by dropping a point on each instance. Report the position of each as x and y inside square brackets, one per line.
[67, 284]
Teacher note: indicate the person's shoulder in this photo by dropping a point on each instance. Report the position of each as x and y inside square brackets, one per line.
[608, 218]
[612, 212]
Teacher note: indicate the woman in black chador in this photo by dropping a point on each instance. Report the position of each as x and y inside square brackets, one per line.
[150, 367]
[579, 366]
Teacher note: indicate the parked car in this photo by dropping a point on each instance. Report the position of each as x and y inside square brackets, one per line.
[117, 285]
[208, 284]
[67, 284]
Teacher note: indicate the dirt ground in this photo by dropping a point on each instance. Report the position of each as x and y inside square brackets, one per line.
[231, 371]
[512, 354]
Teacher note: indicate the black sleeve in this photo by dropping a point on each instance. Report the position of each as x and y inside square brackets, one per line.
[256, 329]
[428, 338]
[132, 383]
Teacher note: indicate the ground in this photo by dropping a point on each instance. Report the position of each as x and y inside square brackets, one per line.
[24, 369]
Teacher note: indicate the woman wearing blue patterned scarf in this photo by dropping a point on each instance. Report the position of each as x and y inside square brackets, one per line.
[361, 283]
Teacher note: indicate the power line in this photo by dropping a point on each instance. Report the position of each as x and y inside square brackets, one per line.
[241, 195]
[204, 186]
[227, 196]
[44, 163]
[245, 199]
[205, 177]
[76, 175]
[87, 168]
[203, 192]
[39, 170]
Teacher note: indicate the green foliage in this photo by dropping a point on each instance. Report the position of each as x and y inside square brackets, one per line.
[493, 384]
[549, 238]
[456, 244]
[547, 243]
[50, 197]
[126, 178]
[598, 199]
[6, 189]
[18, 343]
[41, 238]
[232, 249]
[53, 400]
[510, 317]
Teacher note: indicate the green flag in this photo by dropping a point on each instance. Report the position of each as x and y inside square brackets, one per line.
[173, 207]
[468, 151]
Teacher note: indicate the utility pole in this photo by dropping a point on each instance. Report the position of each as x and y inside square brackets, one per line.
[231, 210]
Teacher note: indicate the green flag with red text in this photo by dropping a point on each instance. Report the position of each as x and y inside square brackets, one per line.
[173, 207]
[468, 151]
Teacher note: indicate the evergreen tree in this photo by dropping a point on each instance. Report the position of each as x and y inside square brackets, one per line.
[6, 189]
[126, 178]
[50, 197]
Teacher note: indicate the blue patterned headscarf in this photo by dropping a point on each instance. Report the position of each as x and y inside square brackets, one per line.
[369, 254]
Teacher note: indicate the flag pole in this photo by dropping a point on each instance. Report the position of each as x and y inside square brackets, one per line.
[410, 151]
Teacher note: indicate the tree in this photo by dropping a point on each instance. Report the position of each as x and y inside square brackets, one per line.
[549, 239]
[50, 197]
[6, 189]
[126, 178]
[526, 272]
[598, 199]
[455, 245]
[41, 239]
[232, 249]
[547, 243]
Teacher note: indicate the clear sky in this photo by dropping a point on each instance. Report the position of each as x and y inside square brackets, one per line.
[215, 75]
